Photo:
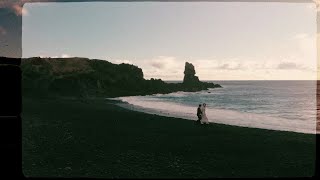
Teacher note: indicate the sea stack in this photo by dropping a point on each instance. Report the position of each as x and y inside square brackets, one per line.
[189, 75]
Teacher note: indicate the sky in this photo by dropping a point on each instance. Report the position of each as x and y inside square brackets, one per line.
[223, 40]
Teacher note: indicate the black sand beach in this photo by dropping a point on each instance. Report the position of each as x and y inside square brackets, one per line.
[95, 138]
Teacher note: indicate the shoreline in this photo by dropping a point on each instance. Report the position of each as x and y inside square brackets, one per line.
[159, 112]
[97, 138]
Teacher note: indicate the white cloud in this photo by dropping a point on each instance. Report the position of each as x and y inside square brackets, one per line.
[290, 65]
[158, 65]
[230, 66]
[65, 56]
[237, 68]
[61, 56]
[164, 62]
[227, 64]
[119, 61]
[164, 67]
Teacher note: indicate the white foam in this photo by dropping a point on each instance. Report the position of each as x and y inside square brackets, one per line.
[149, 105]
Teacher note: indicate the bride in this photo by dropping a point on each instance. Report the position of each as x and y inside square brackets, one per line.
[204, 118]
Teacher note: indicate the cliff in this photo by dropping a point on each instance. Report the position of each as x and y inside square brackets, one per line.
[82, 77]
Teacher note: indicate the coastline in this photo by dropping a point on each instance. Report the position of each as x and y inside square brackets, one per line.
[251, 120]
[97, 138]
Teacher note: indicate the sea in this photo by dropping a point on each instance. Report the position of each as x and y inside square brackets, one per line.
[275, 105]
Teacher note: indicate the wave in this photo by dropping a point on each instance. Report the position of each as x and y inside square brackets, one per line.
[151, 105]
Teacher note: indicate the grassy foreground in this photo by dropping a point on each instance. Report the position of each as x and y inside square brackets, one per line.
[95, 138]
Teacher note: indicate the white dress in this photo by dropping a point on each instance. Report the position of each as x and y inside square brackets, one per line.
[204, 118]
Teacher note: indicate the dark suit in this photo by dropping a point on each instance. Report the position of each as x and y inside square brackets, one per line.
[199, 114]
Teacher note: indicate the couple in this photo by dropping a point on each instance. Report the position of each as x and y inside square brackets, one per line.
[201, 113]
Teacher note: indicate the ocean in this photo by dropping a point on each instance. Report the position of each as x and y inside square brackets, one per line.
[276, 105]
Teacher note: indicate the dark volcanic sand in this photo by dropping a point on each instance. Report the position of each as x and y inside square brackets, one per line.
[95, 138]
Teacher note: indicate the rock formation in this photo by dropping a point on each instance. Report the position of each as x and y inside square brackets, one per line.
[82, 77]
[189, 75]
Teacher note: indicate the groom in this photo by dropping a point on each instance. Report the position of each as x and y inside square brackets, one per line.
[199, 113]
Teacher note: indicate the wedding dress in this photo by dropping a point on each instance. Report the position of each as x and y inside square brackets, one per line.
[204, 118]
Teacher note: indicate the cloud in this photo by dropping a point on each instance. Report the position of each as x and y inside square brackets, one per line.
[291, 66]
[65, 56]
[235, 68]
[222, 64]
[127, 62]
[166, 67]
[164, 62]
[2, 31]
[287, 65]
[119, 61]
[171, 68]
[228, 66]
[158, 65]
[267, 63]
[61, 56]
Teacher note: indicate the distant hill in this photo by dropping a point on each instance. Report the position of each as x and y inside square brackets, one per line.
[83, 77]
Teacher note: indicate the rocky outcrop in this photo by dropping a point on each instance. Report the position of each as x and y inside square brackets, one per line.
[84, 77]
[189, 75]
[191, 82]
